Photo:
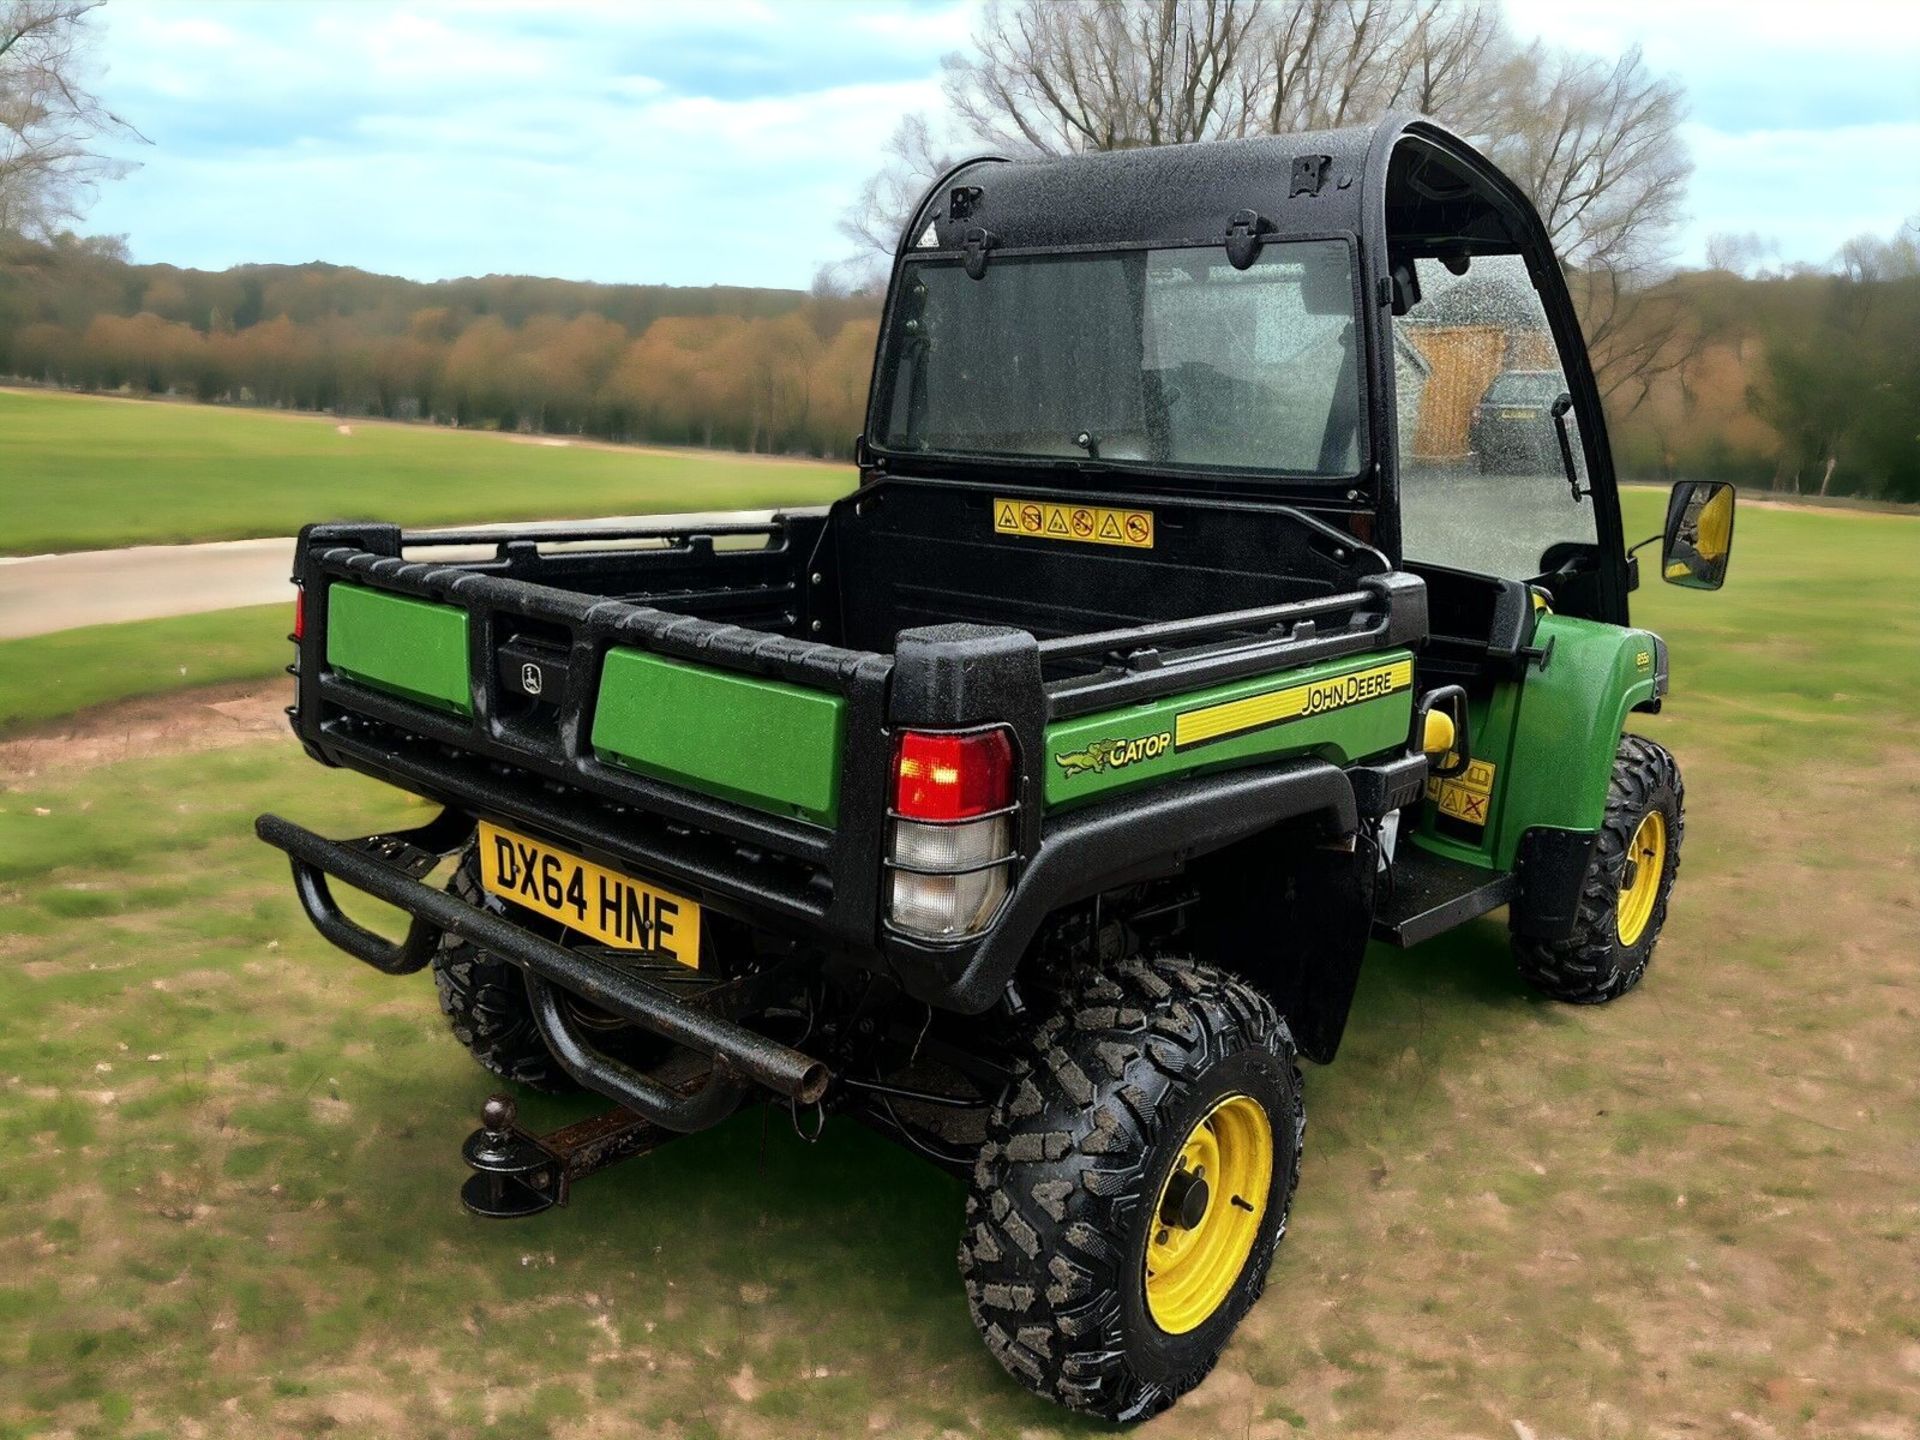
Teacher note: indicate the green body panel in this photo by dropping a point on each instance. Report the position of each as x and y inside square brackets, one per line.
[1571, 717]
[759, 742]
[1554, 735]
[393, 642]
[1137, 745]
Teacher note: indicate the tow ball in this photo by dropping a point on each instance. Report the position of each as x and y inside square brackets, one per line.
[516, 1174]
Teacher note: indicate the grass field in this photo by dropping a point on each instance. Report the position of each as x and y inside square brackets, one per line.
[45, 676]
[86, 473]
[228, 1206]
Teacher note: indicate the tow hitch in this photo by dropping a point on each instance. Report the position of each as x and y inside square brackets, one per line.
[516, 1174]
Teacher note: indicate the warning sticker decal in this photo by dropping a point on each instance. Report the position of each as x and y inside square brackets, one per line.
[1091, 524]
[1465, 796]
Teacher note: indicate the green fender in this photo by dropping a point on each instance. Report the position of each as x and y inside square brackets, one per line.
[1571, 716]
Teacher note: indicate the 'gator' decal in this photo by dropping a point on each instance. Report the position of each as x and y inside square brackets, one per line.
[1339, 710]
[1113, 754]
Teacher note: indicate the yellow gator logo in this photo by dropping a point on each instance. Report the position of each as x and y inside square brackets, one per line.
[1114, 754]
[1296, 702]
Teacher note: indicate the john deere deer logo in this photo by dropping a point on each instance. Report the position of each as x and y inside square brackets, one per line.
[1113, 754]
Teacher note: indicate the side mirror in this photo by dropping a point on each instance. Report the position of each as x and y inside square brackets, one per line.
[1699, 537]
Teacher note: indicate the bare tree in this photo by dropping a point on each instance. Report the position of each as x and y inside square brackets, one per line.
[1593, 141]
[1053, 77]
[1867, 258]
[1595, 144]
[1318, 64]
[51, 125]
[914, 160]
[1741, 253]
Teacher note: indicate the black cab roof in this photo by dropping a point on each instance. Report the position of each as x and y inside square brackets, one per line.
[1314, 183]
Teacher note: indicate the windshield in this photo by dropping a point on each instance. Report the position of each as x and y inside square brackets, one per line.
[1149, 358]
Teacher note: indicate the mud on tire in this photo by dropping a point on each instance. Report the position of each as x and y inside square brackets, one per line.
[1591, 965]
[485, 999]
[1078, 1150]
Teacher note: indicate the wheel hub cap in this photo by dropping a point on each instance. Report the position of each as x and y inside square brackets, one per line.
[1184, 1205]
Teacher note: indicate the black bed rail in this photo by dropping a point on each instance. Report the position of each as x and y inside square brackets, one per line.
[607, 621]
[565, 533]
[1134, 639]
[1143, 662]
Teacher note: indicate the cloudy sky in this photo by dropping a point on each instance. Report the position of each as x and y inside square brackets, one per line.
[702, 141]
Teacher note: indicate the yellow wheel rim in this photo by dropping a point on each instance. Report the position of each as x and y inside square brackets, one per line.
[1640, 885]
[1209, 1213]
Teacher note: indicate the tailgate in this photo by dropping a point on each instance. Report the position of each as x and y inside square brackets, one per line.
[710, 754]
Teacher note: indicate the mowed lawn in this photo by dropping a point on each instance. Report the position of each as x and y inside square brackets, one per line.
[46, 676]
[229, 1199]
[84, 473]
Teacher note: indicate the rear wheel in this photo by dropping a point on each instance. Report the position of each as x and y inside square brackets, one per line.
[485, 998]
[1135, 1180]
[1629, 880]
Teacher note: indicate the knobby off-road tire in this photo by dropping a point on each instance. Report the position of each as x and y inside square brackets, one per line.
[1607, 952]
[1068, 1189]
[485, 999]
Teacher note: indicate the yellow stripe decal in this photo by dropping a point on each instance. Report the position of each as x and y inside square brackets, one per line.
[1296, 702]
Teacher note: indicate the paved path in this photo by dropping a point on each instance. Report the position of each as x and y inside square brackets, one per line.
[43, 593]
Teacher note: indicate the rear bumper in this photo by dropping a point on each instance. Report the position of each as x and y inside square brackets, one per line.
[388, 868]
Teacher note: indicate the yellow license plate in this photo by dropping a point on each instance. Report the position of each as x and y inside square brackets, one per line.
[612, 908]
[1516, 414]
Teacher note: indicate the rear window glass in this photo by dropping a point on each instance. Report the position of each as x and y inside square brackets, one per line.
[1156, 358]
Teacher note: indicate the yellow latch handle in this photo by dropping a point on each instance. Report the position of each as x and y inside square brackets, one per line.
[1437, 736]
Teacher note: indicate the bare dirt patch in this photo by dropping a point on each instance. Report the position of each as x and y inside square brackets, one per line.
[176, 723]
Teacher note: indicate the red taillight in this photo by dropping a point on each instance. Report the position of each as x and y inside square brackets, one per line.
[299, 612]
[950, 847]
[953, 777]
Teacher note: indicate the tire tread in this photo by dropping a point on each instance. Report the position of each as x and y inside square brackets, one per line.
[1064, 1166]
[1590, 966]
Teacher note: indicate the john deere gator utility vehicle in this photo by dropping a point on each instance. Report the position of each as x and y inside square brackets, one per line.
[1035, 803]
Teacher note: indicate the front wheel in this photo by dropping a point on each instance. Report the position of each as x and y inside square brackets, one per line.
[1624, 895]
[1135, 1180]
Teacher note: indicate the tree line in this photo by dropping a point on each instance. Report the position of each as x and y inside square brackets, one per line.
[755, 369]
[761, 370]
[1799, 379]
